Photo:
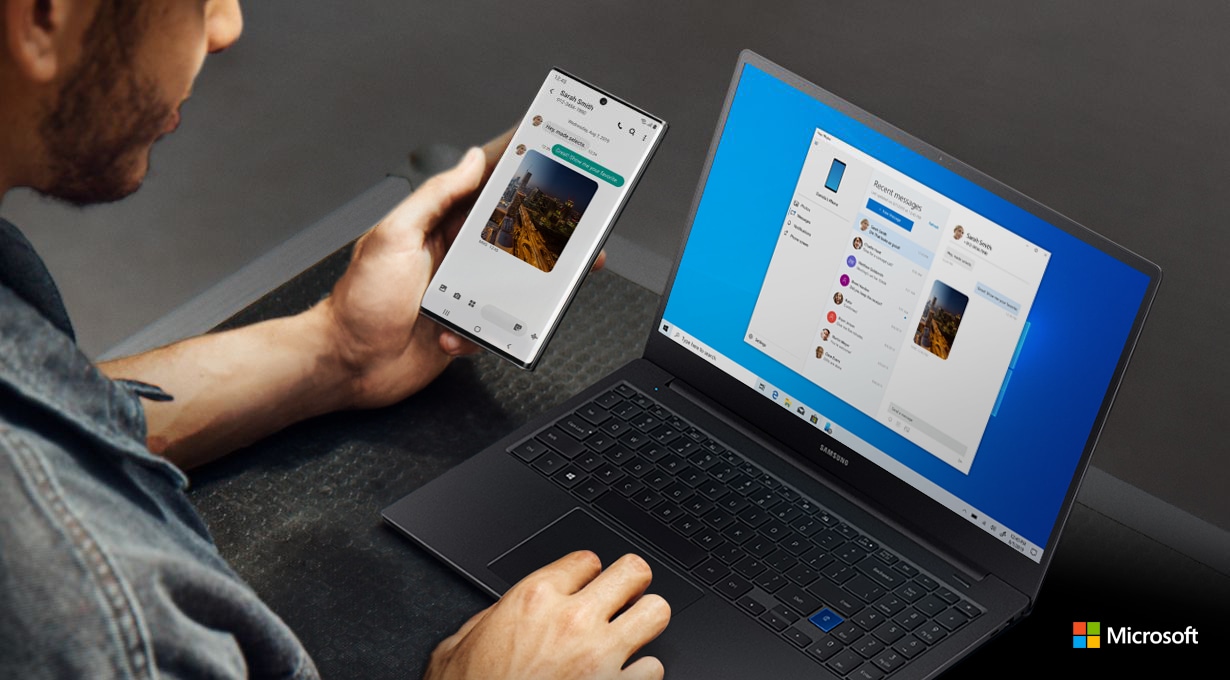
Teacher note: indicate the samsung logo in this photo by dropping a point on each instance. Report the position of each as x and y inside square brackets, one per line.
[834, 455]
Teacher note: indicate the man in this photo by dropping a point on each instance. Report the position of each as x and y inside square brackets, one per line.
[105, 568]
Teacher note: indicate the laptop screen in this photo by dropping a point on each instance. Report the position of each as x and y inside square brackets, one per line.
[947, 335]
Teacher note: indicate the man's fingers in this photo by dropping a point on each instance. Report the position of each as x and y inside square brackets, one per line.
[424, 208]
[494, 149]
[644, 668]
[456, 346]
[599, 262]
[641, 623]
[447, 644]
[569, 573]
[619, 584]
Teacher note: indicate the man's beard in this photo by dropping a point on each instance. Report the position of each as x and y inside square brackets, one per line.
[105, 119]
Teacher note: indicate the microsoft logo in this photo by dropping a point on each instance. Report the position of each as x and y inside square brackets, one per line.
[1086, 634]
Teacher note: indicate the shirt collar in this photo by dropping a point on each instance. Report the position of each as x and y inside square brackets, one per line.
[23, 272]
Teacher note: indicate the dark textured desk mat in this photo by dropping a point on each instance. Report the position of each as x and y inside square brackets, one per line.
[298, 514]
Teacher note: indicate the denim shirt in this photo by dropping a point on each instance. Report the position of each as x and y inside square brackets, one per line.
[106, 569]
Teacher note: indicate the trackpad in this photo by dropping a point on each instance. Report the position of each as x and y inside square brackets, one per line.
[577, 530]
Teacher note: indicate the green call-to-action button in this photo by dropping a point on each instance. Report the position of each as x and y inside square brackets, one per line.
[588, 165]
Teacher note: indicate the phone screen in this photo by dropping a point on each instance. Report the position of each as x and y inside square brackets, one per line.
[836, 170]
[538, 224]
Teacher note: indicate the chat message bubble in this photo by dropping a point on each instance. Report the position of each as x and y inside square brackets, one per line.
[560, 133]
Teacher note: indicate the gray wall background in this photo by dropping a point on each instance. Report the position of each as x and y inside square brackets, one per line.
[1109, 111]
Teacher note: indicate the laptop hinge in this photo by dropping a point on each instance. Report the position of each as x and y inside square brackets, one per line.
[965, 571]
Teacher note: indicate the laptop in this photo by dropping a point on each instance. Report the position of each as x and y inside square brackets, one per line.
[861, 418]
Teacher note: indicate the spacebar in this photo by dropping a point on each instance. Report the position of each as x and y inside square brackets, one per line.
[662, 537]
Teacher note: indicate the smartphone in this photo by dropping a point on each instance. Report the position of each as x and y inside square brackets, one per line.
[836, 170]
[540, 221]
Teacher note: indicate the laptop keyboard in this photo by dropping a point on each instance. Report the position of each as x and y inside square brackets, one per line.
[828, 588]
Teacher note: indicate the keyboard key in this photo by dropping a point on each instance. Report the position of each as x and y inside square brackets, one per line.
[625, 410]
[668, 512]
[910, 647]
[577, 426]
[909, 592]
[707, 538]
[867, 671]
[628, 486]
[849, 553]
[880, 573]
[600, 442]
[951, 619]
[751, 606]
[776, 619]
[727, 552]
[868, 646]
[737, 532]
[836, 598]
[868, 619]
[930, 633]
[634, 439]
[568, 477]
[802, 574]
[608, 400]
[588, 490]
[794, 597]
[759, 546]
[890, 604]
[625, 390]
[698, 505]
[930, 606]
[687, 525]
[889, 660]
[608, 474]
[847, 632]
[800, 638]
[529, 450]
[770, 582]
[947, 595]
[719, 518]
[637, 467]
[906, 568]
[549, 463]
[909, 619]
[968, 608]
[749, 567]
[837, 572]
[711, 571]
[927, 582]
[646, 498]
[845, 661]
[825, 648]
[644, 422]
[558, 440]
[886, 557]
[864, 588]
[794, 544]
[732, 586]
[593, 413]
[826, 619]
[889, 632]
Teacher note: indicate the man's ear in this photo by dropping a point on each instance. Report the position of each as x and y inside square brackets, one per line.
[38, 34]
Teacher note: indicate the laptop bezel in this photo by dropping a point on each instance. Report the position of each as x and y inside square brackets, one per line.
[927, 520]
